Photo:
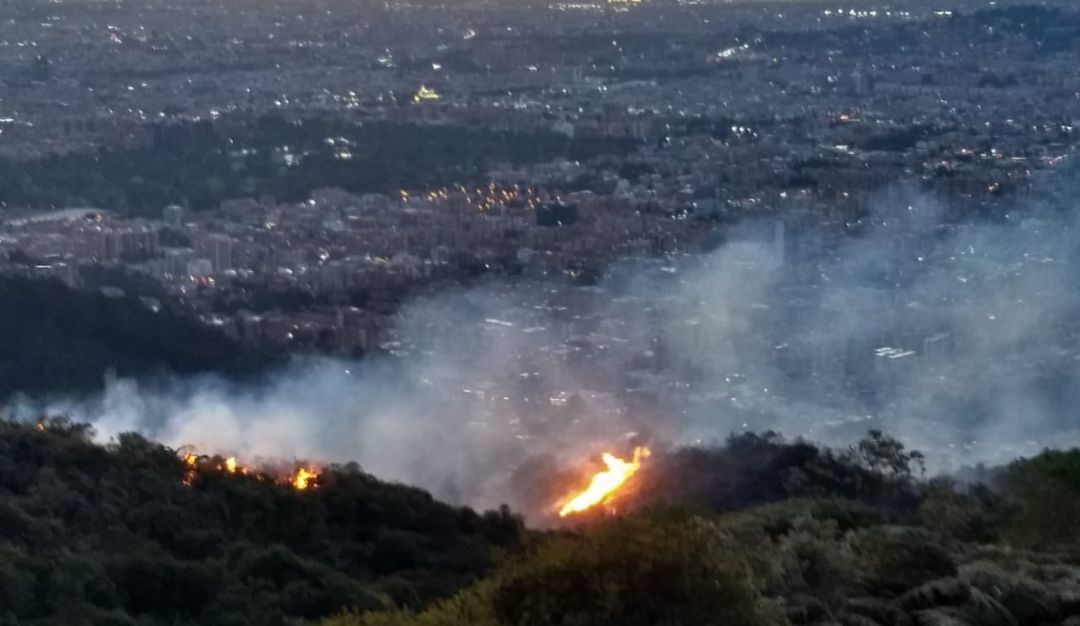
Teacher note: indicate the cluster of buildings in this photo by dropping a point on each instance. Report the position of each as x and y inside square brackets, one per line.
[801, 112]
[352, 257]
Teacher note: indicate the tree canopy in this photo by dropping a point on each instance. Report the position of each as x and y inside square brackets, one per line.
[93, 534]
[199, 165]
[58, 340]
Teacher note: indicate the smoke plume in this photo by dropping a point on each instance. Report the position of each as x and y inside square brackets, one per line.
[959, 338]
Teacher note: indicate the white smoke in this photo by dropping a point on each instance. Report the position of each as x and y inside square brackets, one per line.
[959, 339]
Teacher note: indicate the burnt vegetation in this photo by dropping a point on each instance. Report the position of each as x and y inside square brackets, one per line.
[756, 531]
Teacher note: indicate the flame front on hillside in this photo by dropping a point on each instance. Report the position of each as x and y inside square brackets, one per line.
[605, 484]
[300, 477]
[303, 478]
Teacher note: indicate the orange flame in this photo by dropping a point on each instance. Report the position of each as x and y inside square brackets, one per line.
[303, 478]
[300, 479]
[191, 462]
[604, 484]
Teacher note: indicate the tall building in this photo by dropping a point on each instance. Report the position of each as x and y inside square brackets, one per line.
[176, 261]
[862, 84]
[218, 248]
[173, 215]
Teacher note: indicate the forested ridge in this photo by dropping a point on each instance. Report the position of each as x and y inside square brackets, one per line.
[55, 339]
[93, 534]
[765, 532]
[122, 533]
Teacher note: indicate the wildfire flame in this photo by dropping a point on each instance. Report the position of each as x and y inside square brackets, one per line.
[604, 484]
[301, 478]
[191, 464]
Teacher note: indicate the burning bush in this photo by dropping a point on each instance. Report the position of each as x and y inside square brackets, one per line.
[111, 534]
[604, 486]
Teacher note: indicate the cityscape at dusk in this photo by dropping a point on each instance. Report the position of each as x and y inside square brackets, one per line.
[539, 313]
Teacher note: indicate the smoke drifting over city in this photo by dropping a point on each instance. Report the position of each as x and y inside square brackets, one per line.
[959, 339]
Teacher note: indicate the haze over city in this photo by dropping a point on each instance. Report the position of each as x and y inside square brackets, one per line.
[492, 312]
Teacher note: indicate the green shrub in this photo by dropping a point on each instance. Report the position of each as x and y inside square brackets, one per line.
[629, 572]
[1045, 494]
[892, 560]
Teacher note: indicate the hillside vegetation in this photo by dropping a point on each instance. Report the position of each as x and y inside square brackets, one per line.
[94, 534]
[758, 531]
[59, 340]
[852, 539]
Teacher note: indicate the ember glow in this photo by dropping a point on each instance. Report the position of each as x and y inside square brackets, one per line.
[301, 478]
[191, 465]
[605, 484]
